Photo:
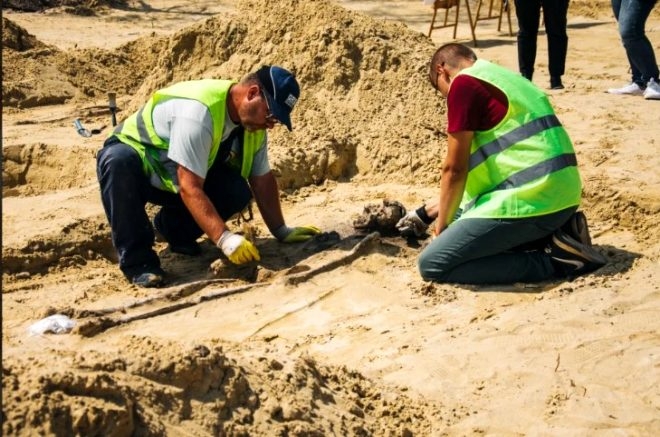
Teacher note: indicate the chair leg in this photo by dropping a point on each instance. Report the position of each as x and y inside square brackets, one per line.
[458, 7]
[435, 11]
[476, 16]
[473, 24]
[455, 24]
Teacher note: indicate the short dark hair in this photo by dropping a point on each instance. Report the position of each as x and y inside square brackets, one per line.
[252, 78]
[450, 54]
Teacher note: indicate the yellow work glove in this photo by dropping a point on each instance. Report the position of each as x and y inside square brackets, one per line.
[296, 235]
[237, 248]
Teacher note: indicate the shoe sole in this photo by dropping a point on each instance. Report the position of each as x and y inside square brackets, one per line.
[588, 253]
[151, 280]
[618, 93]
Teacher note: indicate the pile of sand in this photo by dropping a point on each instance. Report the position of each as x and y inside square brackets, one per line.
[366, 105]
[158, 388]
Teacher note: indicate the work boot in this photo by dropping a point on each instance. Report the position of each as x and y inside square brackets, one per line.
[151, 277]
[576, 227]
[572, 258]
[190, 248]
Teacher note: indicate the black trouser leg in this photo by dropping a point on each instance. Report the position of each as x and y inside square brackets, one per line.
[554, 15]
[528, 13]
[227, 190]
[124, 192]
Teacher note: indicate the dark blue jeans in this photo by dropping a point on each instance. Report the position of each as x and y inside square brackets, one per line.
[632, 16]
[125, 191]
[492, 251]
[528, 13]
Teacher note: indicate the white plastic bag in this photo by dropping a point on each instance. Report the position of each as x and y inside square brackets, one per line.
[57, 324]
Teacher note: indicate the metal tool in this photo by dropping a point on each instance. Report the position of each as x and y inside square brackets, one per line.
[112, 104]
[81, 129]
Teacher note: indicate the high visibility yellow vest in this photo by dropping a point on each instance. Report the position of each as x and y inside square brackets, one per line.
[138, 130]
[525, 166]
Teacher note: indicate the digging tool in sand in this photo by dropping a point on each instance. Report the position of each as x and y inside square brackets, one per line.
[81, 129]
[84, 132]
[112, 105]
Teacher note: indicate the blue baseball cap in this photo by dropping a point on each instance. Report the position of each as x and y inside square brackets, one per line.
[281, 90]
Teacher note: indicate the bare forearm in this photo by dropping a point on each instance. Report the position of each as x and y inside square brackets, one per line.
[204, 213]
[452, 185]
[191, 190]
[453, 178]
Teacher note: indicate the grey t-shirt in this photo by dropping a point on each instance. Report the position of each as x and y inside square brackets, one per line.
[187, 126]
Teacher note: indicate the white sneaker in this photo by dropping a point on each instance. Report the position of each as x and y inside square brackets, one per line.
[652, 91]
[631, 89]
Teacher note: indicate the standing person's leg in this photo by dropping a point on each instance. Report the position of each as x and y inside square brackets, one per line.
[227, 190]
[528, 14]
[632, 20]
[554, 15]
[477, 251]
[124, 189]
[636, 77]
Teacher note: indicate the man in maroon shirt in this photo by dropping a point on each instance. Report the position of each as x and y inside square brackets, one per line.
[509, 180]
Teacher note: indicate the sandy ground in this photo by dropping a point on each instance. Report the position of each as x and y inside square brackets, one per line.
[338, 337]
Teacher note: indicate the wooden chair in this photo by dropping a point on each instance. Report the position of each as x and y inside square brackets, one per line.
[447, 5]
[492, 14]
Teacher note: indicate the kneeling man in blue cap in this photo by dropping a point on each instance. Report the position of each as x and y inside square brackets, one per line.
[199, 149]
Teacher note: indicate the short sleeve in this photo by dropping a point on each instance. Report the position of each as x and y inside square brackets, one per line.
[187, 126]
[260, 165]
[473, 105]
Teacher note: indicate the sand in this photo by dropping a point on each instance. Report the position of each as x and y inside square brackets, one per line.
[340, 337]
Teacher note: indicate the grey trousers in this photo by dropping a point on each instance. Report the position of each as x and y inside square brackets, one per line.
[492, 251]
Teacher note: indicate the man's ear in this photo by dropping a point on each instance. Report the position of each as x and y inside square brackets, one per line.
[253, 91]
[441, 69]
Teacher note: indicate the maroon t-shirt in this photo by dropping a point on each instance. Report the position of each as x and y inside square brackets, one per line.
[474, 105]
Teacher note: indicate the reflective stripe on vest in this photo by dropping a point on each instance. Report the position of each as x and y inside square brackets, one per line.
[525, 166]
[530, 174]
[138, 130]
[509, 139]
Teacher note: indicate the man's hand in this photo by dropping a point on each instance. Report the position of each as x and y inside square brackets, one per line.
[237, 248]
[411, 225]
[298, 234]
